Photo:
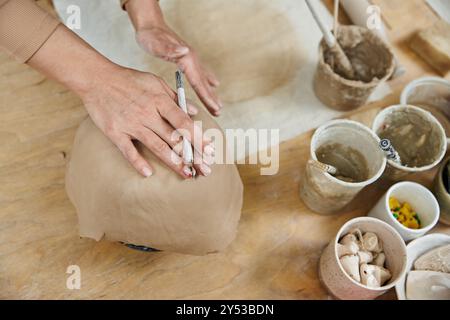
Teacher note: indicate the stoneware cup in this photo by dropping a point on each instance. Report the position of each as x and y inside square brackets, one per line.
[441, 193]
[342, 286]
[395, 171]
[343, 94]
[322, 192]
[420, 199]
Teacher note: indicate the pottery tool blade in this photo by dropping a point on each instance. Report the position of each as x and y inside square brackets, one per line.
[188, 153]
[343, 64]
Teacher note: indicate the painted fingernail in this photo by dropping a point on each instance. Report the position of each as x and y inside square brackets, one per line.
[146, 172]
[210, 149]
[187, 171]
[205, 169]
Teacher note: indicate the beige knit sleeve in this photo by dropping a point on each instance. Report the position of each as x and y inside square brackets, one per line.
[24, 28]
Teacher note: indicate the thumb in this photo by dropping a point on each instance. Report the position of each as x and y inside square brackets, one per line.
[173, 51]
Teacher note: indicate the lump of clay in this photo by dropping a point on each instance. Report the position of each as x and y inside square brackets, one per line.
[435, 260]
[164, 212]
[428, 285]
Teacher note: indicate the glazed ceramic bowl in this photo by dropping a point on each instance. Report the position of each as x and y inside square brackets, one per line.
[441, 193]
[414, 250]
[421, 200]
[340, 284]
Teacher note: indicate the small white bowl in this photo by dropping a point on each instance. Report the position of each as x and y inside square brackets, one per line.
[420, 198]
[416, 249]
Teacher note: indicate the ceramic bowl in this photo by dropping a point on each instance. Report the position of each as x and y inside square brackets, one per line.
[421, 200]
[441, 193]
[336, 280]
[414, 250]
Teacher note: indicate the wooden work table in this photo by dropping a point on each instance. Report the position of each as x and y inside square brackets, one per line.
[279, 242]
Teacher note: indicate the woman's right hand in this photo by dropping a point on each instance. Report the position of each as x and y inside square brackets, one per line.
[132, 105]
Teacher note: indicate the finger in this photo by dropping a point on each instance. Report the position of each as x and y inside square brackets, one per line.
[203, 163]
[164, 50]
[212, 79]
[165, 131]
[192, 108]
[208, 98]
[175, 52]
[162, 150]
[131, 154]
[183, 123]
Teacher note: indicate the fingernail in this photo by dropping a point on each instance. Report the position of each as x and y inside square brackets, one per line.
[187, 171]
[205, 169]
[193, 110]
[182, 50]
[146, 172]
[209, 160]
[220, 104]
[210, 150]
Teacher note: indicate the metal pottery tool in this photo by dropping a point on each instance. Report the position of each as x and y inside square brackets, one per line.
[188, 153]
[343, 64]
[391, 153]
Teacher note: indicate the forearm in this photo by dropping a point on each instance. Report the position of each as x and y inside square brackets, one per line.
[144, 13]
[71, 61]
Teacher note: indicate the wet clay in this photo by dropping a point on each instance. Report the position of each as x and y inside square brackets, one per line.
[372, 61]
[415, 139]
[164, 212]
[369, 61]
[350, 163]
[252, 57]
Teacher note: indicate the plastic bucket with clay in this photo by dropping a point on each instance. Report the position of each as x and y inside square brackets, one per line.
[326, 194]
[369, 54]
[416, 134]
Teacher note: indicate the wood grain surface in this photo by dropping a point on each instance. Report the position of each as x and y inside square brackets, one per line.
[279, 241]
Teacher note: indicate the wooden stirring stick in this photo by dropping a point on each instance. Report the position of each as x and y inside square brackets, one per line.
[342, 63]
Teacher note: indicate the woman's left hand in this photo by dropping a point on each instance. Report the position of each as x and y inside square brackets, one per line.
[163, 43]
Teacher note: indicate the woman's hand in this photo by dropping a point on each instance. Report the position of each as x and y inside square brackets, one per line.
[125, 104]
[156, 38]
[132, 105]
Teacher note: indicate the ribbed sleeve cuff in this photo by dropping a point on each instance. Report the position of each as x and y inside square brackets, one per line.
[24, 28]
